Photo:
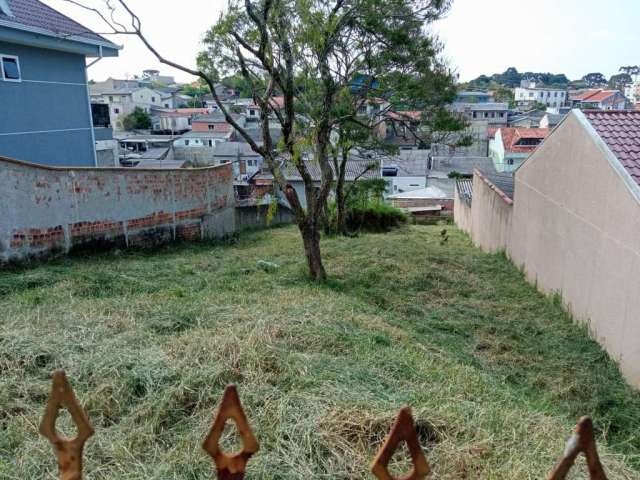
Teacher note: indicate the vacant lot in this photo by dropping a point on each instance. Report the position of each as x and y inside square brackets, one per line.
[496, 373]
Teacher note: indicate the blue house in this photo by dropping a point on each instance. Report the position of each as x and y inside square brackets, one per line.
[45, 112]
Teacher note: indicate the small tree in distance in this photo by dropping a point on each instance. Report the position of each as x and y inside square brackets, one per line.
[137, 120]
[309, 53]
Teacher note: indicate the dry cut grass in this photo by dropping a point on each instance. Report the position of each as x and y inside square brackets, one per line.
[496, 373]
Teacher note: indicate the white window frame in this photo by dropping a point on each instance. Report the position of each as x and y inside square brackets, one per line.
[12, 57]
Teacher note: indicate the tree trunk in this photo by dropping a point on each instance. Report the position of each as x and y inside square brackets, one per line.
[341, 195]
[311, 240]
[341, 212]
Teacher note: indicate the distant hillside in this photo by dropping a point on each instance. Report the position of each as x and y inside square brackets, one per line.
[512, 78]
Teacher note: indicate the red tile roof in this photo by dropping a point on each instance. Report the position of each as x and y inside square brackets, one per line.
[620, 130]
[405, 116]
[184, 112]
[511, 136]
[491, 132]
[595, 95]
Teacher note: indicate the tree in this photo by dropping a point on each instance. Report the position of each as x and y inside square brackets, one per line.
[307, 52]
[137, 120]
[618, 82]
[631, 70]
[594, 80]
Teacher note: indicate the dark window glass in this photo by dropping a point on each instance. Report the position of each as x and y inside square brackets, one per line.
[11, 70]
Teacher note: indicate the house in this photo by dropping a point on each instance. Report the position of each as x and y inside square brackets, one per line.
[215, 122]
[632, 91]
[444, 170]
[198, 148]
[529, 93]
[246, 162]
[511, 146]
[179, 119]
[474, 97]
[357, 168]
[136, 148]
[528, 119]
[405, 171]
[598, 99]
[124, 101]
[399, 129]
[495, 114]
[424, 203]
[45, 109]
[551, 120]
[153, 77]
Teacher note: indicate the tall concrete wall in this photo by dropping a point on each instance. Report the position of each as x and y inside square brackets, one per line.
[489, 218]
[46, 210]
[461, 213]
[576, 231]
[574, 228]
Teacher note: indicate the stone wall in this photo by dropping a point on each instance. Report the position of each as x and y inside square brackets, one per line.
[48, 210]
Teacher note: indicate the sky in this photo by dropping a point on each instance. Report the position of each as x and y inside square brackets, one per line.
[573, 37]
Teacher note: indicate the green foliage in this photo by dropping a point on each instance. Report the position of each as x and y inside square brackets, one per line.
[137, 120]
[595, 80]
[238, 83]
[511, 78]
[618, 82]
[375, 218]
[367, 192]
[195, 90]
[457, 175]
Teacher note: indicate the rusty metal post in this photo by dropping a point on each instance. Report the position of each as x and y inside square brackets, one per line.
[403, 430]
[582, 441]
[230, 466]
[68, 451]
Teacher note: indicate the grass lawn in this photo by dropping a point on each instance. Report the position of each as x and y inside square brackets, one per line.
[496, 374]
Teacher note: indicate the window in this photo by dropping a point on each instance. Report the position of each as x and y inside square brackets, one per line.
[153, 99]
[212, 127]
[211, 143]
[531, 94]
[116, 111]
[10, 68]
[166, 105]
[555, 94]
[510, 161]
[186, 143]
[475, 114]
[110, 98]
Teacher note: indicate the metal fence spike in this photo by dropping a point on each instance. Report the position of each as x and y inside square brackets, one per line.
[230, 466]
[68, 451]
[403, 430]
[582, 441]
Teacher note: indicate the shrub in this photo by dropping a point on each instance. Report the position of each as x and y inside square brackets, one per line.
[376, 217]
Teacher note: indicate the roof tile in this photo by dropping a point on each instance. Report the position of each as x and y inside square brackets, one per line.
[620, 130]
[35, 14]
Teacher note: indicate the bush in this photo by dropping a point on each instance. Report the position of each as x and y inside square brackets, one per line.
[377, 217]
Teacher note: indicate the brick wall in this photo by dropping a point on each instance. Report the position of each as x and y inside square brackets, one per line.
[47, 210]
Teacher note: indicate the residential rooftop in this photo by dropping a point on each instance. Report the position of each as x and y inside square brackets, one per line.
[620, 130]
[36, 17]
[512, 136]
